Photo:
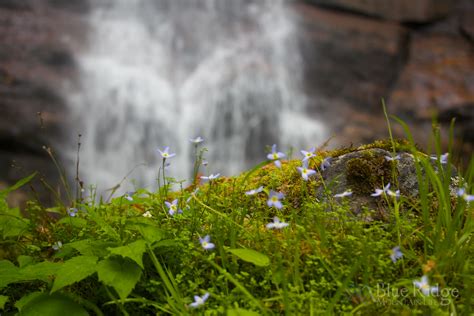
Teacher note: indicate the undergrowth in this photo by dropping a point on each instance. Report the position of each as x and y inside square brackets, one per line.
[219, 248]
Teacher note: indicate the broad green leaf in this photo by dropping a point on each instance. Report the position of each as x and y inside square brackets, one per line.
[119, 273]
[12, 226]
[133, 251]
[90, 247]
[52, 305]
[150, 233]
[9, 273]
[252, 256]
[3, 301]
[241, 312]
[40, 271]
[24, 261]
[74, 270]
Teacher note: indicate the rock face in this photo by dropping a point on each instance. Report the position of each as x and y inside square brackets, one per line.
[36, 59]
[358, 52]
[364, 171]
[398, 10]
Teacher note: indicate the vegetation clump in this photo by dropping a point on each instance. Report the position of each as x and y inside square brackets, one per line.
[278, 239]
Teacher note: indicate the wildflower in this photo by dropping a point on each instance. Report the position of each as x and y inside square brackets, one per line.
[379, 192]
[211, 177]
[128, 196]
[277, 224]
[196, 140]
[165, 154]
[205, 242]
[462, 194]
[275, 156]
[254, 191]
[425, 287]
[198, 301]
[308, 154]
[173, 207]
[396, 254]
[57, 245]
[390, 158]
[274, 199]
[205, 163]
[443, 159]
[147, 214]
[72, 211]
[305, 172]
[395, 194]
[326, 163]
[343, 194]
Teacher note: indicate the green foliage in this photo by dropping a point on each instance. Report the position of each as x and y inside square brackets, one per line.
[251, 256]
[113, 260]
[74, 270]
[119, 273]
[40, 304]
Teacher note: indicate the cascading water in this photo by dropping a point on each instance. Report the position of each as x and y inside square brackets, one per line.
[159, 72]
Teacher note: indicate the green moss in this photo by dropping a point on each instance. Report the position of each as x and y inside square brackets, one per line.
[368, 172]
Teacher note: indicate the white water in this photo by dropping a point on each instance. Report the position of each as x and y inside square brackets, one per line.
[160, 72]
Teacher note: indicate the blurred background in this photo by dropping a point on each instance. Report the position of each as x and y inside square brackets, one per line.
[131, 76]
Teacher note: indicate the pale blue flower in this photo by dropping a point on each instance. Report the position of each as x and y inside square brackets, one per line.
[443, 159]
[277, 224]
[205, 242]
[275, 156]
[165, 154]
[196, 140]
[57, 245]
[198, 300]
[128, 196]
[173, 207]
[205, 163]
[343, 194]
[379, 192]
[326, 163]
[390, 158]
[462, 194]
[72, 211]
[254, 191]
[425, 287]
[395, 194]
[305, 172]
[396, 254]
[308, 154]
[211, 177]
[274, 199]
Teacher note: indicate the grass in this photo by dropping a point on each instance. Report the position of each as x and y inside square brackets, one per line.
[115, 261]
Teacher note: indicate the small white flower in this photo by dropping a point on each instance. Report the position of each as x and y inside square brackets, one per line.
[277, 224]
[343, 194]
[198, 300]
[147, 214]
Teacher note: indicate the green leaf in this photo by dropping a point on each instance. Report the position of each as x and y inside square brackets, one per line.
[133, 251]
[40, 271]
[151, 233]
[3, 301]
[24, 261]
[9, 273]
[91, 247]
[119, 273]
[57, 304]
[252, 256]
[18, 184]
[241, 312]
[11, 224]
[73, 221]
[74, 270]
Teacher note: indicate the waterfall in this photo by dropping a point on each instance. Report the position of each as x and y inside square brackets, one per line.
[156, 73]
